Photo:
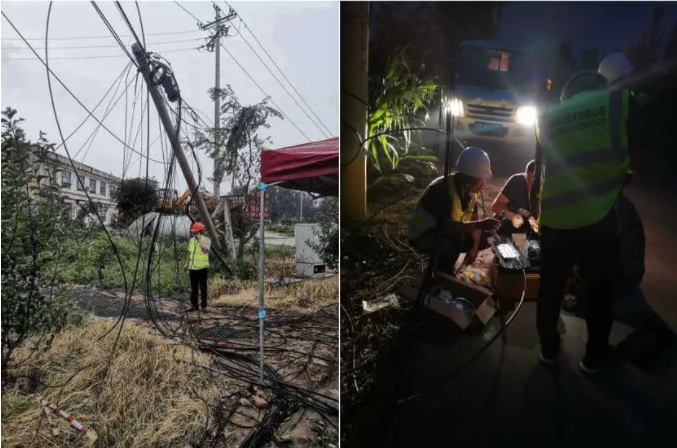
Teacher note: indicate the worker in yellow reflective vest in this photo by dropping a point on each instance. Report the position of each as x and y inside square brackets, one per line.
[197, 263]
[583, 154]
[455, 211]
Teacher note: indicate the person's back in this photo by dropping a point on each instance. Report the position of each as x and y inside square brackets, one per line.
[583, 158]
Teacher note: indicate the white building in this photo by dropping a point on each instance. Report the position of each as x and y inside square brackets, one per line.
[101, 186]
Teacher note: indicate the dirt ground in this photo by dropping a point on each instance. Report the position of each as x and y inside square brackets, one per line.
[303, 348]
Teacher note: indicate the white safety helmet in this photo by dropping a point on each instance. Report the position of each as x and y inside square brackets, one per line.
[614, 67]
[474, 162]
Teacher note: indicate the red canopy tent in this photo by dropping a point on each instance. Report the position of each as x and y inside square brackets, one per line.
[311, 167]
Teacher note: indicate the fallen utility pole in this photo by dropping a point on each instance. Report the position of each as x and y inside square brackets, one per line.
[144, 67]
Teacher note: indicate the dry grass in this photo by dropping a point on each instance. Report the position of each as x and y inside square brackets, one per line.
[304, 297]
[153, 395]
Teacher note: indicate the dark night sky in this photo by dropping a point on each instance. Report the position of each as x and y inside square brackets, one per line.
[600, 25]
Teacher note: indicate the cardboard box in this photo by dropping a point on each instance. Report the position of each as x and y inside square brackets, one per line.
[510, 285]
[480, 297]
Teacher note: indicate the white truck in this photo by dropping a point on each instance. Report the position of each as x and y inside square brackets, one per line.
[496, 91]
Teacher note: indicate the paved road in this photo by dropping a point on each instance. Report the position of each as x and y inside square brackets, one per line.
[278, 239]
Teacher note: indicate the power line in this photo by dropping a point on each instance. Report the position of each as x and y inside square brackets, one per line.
[101, 36]
[257, 84]
[97, 57]
[113, 33]
[327, 133]
[70, 92]
[188, 12]
[278, 68]
[104, 46]
[264, 92]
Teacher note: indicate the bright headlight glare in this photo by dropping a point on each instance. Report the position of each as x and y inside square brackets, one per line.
[455, 106]
[526, 115]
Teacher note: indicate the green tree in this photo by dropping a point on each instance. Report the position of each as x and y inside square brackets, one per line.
[401, 100]
[34, 227]
[136, 197]
[328, 232]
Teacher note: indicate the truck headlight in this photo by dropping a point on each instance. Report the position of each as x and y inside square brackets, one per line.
[526, 115]
[455, 106]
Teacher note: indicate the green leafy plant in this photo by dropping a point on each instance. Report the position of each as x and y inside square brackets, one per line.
[401, 98]
[34, 227]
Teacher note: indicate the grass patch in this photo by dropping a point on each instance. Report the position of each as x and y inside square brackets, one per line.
[307, 296]
[156, 394]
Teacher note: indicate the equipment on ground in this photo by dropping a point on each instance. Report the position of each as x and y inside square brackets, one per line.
[170, 202]
[508, 256]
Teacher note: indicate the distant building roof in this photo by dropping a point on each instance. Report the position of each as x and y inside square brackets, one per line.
[84, 169]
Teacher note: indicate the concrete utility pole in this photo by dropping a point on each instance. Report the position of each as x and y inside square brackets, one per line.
[215, 45]
[144, 67]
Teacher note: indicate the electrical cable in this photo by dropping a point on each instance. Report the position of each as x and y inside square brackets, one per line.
[79, 178]
[279, 69]
[70, 92]
[189, 13]
[325, 132]
[477, 354]
[264, 92]
[114, 33]
[105, 36]
[85, 47]
[129, 25]
[69, 58]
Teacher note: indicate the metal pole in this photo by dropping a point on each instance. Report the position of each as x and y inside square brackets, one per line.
[262, 278]
[142, 59]
[301, 214]
[217, 102]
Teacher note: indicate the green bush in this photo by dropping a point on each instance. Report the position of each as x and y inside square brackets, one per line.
[34, 227]
[328, 234]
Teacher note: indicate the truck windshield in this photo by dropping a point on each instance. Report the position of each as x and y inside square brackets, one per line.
[494, 69]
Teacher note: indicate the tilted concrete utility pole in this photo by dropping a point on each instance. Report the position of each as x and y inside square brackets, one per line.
[144, 67]
[354, 88]
[215, 45]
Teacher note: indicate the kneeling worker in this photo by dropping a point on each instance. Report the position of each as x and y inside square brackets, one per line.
[452, 210]
[514, 201]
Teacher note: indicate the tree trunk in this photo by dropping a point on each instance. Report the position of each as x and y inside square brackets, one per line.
[230, 241]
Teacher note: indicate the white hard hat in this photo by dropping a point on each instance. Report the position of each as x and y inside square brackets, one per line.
[474, 162]
[615, 66]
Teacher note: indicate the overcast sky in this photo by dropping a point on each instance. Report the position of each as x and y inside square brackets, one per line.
[302, 38]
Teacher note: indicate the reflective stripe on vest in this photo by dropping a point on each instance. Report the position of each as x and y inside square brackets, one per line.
[585, 158]
[198, 259]
[422, 221]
